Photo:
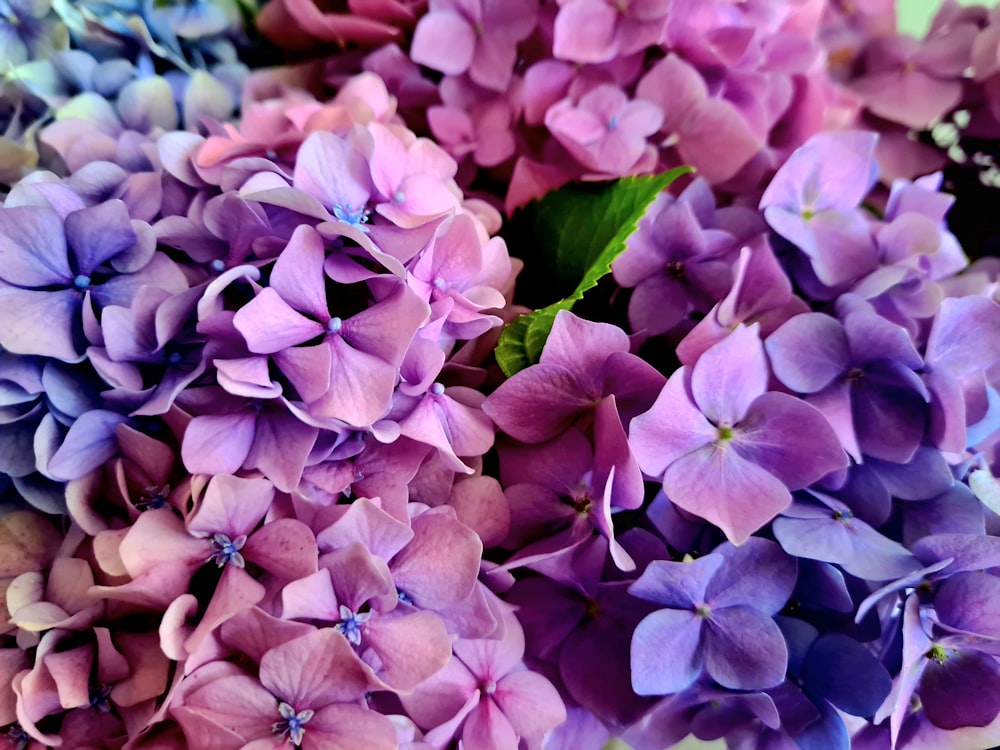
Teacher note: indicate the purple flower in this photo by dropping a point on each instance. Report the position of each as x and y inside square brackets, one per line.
[675, 265]
[51, 269]
[813, 199]
[717, 617]
[725, 449]
[861, 374]
[582, 362]
[351, 373]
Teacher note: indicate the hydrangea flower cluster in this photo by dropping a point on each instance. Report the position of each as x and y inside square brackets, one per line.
[268, 477]
[117, 65]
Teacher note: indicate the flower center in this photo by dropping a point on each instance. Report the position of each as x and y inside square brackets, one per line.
[854, 375]
[725, 433]
[351, 623]
[292, 723]
[227, 551]
[675, 269]
[217, 265]
[98, 697]
[82, 281]
[939, 653]
[350, 215]
[437, 389]
[334, 325]
[17, 737]
[153, 498]
[703, 611]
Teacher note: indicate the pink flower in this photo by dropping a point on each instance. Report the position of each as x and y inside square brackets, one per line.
[596, 31]
[486, 696]
[605, 131]
[478, 37]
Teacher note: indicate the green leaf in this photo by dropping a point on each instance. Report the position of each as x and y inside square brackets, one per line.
[569, 239]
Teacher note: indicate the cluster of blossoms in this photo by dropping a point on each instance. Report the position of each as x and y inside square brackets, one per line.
[263, 484]
[120, 64]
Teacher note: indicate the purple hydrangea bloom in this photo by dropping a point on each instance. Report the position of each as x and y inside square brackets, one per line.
[717, 617]
[813, 199]
[55, 269]
[861, 372]
[727, 450]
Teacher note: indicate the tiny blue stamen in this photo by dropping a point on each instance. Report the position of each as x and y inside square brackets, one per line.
[154, 498]
[217, 265]
[17, 737]
[351, 623]
[399, 196]
[98, 697]
[613, 122]
[439, 283]
[356, 217]
[437, 389]
[334, 325]
[82, 281]
[174, 358]
[291, 723]
[226, 550]
[403, 597]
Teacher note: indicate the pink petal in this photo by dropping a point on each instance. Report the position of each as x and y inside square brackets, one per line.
[232, 506]
[218, 444]
[285, 548]
[270, 325]
[412, 647]
[728, 377]
[717, 484]
[316, 670]
[297, 275]
[671, 429]
[585, 32]
[486, 728]
[530, 703]
[444, 41]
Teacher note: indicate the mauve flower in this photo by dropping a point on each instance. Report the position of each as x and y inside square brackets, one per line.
[484, 132]
[727, 450]
[898, 66]
[479, 37]
[604, 130]
[351, 373]
[596, 31]
[309, 692]
[582, 362]
[709, 133]
[486, 696]
[353, 591]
